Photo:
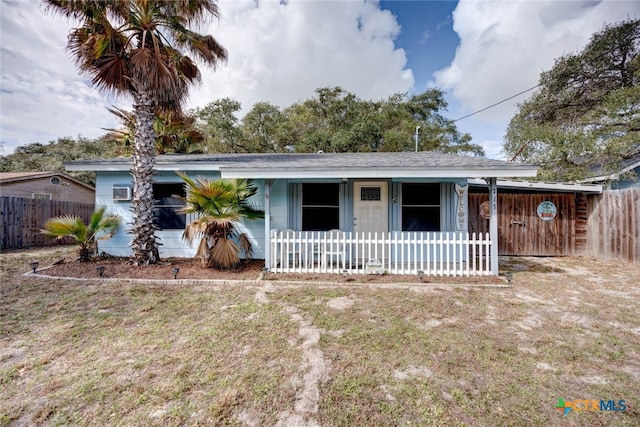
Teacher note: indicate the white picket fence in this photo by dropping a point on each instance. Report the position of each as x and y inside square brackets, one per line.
[433, 253]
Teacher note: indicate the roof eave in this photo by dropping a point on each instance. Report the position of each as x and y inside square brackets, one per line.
[380, 173]
[543, 186]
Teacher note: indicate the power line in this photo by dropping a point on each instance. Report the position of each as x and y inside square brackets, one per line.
[498, 103]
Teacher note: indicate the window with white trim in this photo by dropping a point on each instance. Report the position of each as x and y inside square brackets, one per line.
[166, 213]
[420, 207]
[320, 206]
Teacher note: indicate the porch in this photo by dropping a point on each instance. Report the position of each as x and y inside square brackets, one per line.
[336, 251]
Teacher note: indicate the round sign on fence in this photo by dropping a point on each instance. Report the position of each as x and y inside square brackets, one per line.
[485, 210]
[547, 211]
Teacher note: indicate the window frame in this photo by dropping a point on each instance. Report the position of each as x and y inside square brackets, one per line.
[304, 226]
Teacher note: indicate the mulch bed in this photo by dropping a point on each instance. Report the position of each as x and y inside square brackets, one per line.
[122, 268]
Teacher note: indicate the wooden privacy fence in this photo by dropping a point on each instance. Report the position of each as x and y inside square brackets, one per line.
[613, 229]
[441, 254]
[23, 218]
[521, 231]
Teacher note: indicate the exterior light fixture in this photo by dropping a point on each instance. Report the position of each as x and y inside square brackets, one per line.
[100, 270]
[175, 271]
[509, 276]
[34, 266]
[421, 275]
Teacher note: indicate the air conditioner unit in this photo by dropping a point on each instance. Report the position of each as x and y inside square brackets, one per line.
[121, 193]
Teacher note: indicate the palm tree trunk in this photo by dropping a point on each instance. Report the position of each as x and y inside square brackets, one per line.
[144, 245]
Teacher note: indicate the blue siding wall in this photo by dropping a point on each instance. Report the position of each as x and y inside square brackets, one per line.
[281, 214]
[279, 204]
[172, 243]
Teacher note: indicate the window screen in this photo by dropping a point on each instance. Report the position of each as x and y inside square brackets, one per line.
[165, 213]
[320, 206]
[421, 207]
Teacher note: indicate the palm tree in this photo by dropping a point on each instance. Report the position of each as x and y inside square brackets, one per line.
[176, 132]
[83, 234]
[139, 48]
[221, 204]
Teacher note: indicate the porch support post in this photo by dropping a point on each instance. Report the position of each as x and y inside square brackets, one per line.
[267, 223]
[493, 225]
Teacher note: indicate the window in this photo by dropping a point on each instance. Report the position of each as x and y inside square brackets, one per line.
[166, 212]
[420, 207]
[370, 194]
[41, 196]
[55, 180]
[320, 207]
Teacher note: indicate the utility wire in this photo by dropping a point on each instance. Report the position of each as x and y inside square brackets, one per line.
[498, 103]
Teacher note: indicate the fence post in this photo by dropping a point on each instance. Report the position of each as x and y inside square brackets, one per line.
[493, 225]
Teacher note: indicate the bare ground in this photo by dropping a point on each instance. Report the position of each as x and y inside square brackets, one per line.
[275, 353]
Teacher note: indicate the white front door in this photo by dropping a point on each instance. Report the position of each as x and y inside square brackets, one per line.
[371, 206]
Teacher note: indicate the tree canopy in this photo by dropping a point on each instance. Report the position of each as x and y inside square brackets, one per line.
[585, 117]
[38, 157]
[334, 120]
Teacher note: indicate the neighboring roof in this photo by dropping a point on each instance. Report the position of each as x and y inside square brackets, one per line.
[541, 186]
[624, 166]
[10, 177]
[424, 164]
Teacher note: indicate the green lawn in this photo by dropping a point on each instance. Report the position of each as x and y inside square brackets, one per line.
[74, 353]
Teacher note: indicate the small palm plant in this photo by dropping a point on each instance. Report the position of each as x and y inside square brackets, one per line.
[221, 204]
[84, 235]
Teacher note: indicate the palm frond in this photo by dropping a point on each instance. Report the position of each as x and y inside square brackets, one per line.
[194, 230]
[203, 252]
[224, 254]
[245, 245]
[65, 226]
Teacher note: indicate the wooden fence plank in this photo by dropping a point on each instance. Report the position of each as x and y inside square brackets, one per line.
[613, 225]
[23, 218]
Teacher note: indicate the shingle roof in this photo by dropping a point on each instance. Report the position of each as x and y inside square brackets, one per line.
[11, 176]
[8, 177]
[324, 164]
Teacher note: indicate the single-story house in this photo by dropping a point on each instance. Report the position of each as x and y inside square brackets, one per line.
[398, 213]
[45, 185]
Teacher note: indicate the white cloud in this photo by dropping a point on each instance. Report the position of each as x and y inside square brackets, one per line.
[43, 97]
[277, 52]
[504, 46]
[282, 53]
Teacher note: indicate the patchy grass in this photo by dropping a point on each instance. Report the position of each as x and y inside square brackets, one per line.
[266, 353]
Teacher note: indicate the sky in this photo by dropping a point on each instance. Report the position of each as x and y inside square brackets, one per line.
[478, 52]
